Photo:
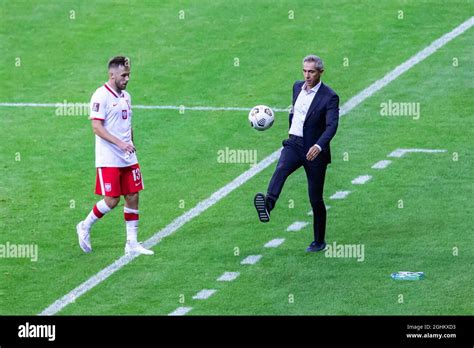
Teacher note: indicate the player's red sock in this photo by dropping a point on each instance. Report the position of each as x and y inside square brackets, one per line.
[99, 210]
[131, 220]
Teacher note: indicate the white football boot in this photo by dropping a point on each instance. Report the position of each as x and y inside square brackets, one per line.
[137, 248]
[84, 237]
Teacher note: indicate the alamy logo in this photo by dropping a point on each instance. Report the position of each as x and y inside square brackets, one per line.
[15, 251]
[237, 156]
[37, 331]
[392, 108]
[75, 109]
[346, 251]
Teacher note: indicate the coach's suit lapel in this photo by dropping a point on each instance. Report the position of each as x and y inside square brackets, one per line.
[316, 101]
[296, 92]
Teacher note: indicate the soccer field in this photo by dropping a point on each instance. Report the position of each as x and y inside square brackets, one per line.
[413, 215]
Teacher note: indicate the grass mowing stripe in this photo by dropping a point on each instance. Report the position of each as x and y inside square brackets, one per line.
[202, 206]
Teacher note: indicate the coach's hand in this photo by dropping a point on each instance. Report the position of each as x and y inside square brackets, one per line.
[312, 153]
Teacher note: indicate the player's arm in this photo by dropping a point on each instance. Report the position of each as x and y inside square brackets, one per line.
[99, 129]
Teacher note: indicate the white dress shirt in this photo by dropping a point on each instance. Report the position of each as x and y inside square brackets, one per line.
[302, 104]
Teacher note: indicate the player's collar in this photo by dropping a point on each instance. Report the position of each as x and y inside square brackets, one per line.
[110, 89]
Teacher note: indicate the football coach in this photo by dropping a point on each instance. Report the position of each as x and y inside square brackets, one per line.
[313, 123]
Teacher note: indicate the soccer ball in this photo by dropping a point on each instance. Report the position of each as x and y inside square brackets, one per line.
[261, 117]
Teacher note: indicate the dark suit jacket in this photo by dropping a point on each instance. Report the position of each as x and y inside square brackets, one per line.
[321, 120]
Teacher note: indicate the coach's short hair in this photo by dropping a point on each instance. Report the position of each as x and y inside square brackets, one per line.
[316, 60]
[117, 61]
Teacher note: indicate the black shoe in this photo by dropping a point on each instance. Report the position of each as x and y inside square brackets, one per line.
[314, 247]
[261, 205]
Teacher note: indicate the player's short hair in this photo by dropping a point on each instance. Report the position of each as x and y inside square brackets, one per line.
[117, 61]
[316, 60]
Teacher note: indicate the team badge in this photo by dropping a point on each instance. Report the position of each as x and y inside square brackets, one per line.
[108, 187]
[95, 107]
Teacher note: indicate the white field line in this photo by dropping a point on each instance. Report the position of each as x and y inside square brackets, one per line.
[403, 152]
[158, 236]
[340, 195]
[296, 226]
[180, 311]
[228, 276]
[251, 260]
[407, 65]
[247, 175]
[381, 164]
[204, 294]
[352, 103]
[274, 243]
[362, 179]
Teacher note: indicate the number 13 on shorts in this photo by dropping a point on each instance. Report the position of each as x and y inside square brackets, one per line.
[136, 175]
[137, 179]
[118, 181]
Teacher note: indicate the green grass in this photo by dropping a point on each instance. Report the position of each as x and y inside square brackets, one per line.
[190, 62]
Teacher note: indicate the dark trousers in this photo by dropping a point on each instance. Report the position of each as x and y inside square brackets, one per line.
[292, 157]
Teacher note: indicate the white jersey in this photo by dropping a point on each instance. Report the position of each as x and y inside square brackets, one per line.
[116, 112]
